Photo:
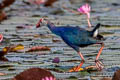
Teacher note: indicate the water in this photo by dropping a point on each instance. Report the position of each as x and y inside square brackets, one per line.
[22, 14]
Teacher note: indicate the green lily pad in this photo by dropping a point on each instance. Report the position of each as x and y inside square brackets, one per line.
[83, 73]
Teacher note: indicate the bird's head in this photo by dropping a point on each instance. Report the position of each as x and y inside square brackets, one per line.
[41, 22]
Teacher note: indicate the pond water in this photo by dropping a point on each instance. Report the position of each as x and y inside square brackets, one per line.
[105, 12]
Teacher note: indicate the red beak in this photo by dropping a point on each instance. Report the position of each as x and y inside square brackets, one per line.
[38, 24]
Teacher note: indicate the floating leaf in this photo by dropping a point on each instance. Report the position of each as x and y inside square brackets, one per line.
[71, 61]
[26, 27]
[74, 68]
[107, 79]
[16, 48]
[4, 52]
[2, 74]
[20, 27]
[87, 69]
[116, 75]
[2, 15]
[49, 2]
[37, 2]
[90, 68]
[34, 74]
[38, 48]
[83, 73]
[6, 3]
[56, 40]
[3, 4]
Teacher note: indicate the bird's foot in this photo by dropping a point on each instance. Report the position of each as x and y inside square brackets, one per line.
[77, 68]
[99, 65]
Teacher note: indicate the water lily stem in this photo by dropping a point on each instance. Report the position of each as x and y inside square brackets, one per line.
[89, 24]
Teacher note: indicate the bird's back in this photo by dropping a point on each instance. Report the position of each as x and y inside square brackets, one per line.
[75, 35]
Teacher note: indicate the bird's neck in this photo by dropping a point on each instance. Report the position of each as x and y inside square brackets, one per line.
[51, 26]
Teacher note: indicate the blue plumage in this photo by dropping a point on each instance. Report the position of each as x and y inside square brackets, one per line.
[75, 37]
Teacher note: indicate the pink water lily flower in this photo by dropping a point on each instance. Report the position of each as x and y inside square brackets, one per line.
[1, 37]
[48, 78]
[85, 9]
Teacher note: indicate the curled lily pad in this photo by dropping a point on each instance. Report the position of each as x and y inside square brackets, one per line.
[38, 48]
[2, 15]
[16, 48]
[106, 79]
[49, 2]
[34, 74]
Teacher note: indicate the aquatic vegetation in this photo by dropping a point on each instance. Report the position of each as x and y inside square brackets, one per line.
[85, 9]
[56, 60]
[4, 4]
[37, 2]
[36, 74]
[38, 48]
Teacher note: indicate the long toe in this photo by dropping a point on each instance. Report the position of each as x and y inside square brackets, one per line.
[99, 65]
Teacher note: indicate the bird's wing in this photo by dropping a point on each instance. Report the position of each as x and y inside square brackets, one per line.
[74, 35]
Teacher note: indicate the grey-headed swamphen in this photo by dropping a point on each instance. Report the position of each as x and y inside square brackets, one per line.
[76, 37]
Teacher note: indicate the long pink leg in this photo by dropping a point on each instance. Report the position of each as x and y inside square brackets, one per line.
[99, 64]
[76, 68]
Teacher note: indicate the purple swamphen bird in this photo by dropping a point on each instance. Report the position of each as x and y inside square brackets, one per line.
[76, 37]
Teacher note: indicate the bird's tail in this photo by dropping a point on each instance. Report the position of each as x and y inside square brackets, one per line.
[95, 30]
[96, 27]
